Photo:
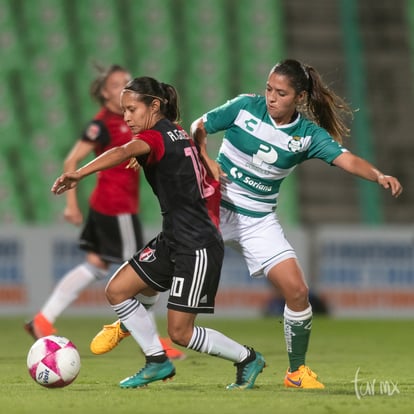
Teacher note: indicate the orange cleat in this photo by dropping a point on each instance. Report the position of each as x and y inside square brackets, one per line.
[303, 377]
[171, 352]
[111, 335]
[39, 327]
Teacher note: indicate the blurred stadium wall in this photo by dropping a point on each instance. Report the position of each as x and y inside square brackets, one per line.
[211, 50]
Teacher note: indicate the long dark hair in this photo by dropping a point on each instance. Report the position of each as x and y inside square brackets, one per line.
[150, 89]
[323, 106]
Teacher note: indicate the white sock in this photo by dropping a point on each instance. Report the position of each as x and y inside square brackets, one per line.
[68, 289]
[215, 343]
[297, 316]
[140, 324]
[147, 301]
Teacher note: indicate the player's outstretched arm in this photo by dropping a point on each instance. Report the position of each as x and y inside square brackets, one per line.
[108, 159]
[364, 169]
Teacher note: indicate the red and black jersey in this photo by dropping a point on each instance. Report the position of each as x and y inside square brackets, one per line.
[178, 178]
[116, 191]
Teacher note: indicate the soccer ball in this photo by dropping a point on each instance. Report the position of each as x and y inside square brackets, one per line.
[53, 361]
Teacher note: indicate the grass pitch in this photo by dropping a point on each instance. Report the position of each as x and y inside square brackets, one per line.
[366, 366]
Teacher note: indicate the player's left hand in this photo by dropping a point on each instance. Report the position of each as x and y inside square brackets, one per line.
[387, 181]
[133, 164]
[65, 182]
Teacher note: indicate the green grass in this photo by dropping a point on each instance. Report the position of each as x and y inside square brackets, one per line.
[381, 350]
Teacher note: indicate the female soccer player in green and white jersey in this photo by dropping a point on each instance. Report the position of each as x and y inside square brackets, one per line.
[266, 137]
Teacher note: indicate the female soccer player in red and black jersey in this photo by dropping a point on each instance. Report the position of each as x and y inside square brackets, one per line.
[186, 257]
[112, 232]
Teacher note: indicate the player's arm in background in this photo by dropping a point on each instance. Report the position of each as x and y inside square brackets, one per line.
[80, 151]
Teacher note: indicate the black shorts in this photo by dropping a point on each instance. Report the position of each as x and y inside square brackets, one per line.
[114, 238]
[192, 276]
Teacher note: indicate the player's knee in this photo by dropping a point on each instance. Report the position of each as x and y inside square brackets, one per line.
[98, 272]
[180, 335]
[303, 293]
[110, 294]
[148, 301]
[298, 297]
[113, 294]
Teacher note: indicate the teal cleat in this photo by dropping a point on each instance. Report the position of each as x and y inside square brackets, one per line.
[152, 371]
[247, 371]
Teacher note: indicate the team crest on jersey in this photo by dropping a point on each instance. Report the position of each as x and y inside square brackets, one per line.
[295, 144]
[147, 255]
[93, 131]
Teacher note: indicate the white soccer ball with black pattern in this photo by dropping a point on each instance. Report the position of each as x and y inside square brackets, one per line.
[53, 361]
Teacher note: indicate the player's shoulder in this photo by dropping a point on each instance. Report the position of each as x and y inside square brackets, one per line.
[315, 132]
[307, 125]
[249, 97]
[101, 114]
[246, 100]
[95, 126]
[106, 116]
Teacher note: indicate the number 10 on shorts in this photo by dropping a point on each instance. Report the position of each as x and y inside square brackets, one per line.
[177, 286]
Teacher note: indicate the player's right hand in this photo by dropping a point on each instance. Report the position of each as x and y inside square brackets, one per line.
[65, 182]
[73, 215]
[213, 168]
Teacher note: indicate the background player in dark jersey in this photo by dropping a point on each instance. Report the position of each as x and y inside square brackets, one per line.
[186, 257]
[112, 231]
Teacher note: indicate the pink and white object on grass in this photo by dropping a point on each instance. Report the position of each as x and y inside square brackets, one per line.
[53, 361]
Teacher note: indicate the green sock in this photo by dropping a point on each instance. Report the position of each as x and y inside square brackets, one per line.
[297, 335]
[123, 328]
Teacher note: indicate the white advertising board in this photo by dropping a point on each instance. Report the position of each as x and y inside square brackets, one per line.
[366, 272]
[33, 259]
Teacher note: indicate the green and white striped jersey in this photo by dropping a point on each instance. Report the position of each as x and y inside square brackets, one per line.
[257, 155]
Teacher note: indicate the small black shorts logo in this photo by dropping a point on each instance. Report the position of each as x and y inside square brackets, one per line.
[147, 255]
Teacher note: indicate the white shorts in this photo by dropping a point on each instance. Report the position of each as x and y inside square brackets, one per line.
[261, 241]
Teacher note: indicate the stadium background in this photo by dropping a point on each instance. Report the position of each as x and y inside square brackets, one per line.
[212, 50]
